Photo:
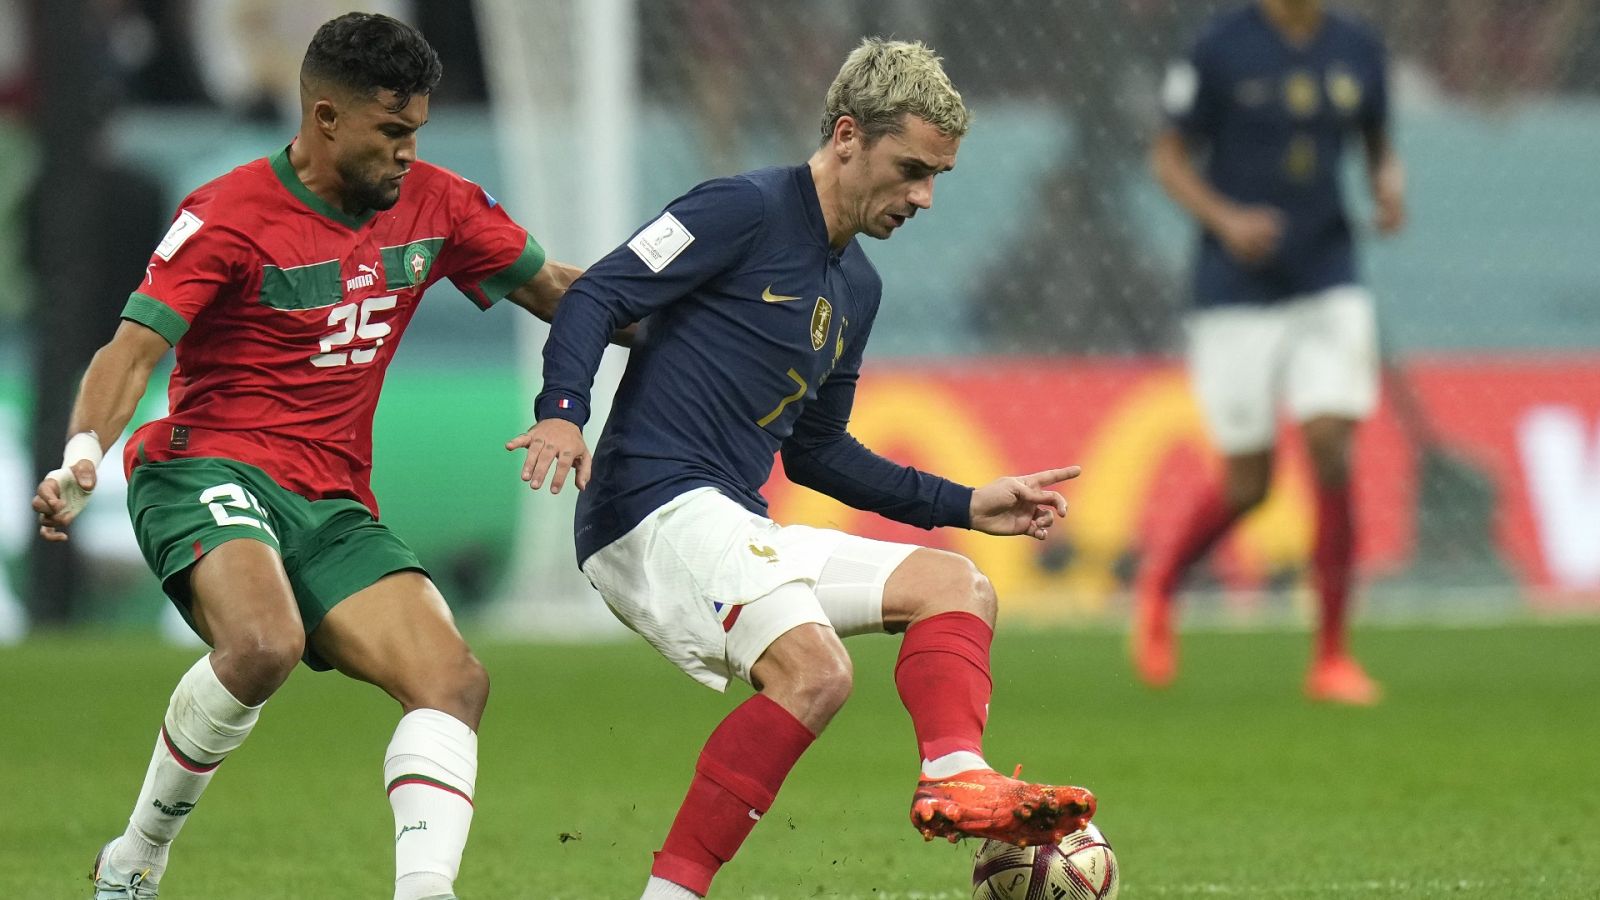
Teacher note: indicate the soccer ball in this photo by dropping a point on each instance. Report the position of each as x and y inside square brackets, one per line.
[1081, 867]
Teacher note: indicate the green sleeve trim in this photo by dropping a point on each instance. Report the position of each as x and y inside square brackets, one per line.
[495, 287]
[156, 316]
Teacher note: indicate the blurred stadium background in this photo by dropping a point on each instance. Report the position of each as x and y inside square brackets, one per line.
[1032, 319]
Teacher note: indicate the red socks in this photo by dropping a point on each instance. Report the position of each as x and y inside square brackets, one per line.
[739, 772]
[1331, 558]
[943, 677]
[1207, 521]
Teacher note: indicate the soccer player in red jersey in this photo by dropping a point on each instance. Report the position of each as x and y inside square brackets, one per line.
[1271, 92]
[285, 286]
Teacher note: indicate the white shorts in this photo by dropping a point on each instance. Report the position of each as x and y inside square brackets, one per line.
[1316, 355]
[711, 585]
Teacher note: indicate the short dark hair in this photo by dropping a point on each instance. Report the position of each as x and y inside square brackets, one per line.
[368, 53]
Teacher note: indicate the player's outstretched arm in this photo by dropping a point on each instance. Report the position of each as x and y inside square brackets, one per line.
[1021, 504]
[110, 393]
[543, 292]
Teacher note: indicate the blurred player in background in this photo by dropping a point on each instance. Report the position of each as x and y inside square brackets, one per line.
[757, 303]
[285, 286]
[1271, 92]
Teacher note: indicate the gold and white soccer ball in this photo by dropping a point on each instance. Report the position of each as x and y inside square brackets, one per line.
[1081, 867]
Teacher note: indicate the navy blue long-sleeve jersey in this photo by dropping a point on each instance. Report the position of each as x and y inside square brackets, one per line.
[1275, 118]
[751, 336]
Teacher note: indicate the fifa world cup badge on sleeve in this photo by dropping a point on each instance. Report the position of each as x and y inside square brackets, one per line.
[660, 242]
[183, 228]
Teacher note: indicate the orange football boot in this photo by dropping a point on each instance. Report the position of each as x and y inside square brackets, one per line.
[1340, 679]
[983, 803]
[1152, 646]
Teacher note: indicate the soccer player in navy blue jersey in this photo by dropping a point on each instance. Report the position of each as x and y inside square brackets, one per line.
[755, 303]
[1271, 93]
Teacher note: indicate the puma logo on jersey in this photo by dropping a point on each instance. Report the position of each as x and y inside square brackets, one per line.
[368, 276]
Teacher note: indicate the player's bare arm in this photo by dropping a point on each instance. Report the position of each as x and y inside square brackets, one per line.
[541, 295]
[1018, 505]
[543, 292]
[110, 393]
[1387, 178]
[1250, 233]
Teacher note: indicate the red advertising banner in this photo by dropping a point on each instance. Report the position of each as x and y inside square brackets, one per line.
[1476, 473]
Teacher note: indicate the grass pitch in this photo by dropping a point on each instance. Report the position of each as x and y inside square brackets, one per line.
[1477, 778]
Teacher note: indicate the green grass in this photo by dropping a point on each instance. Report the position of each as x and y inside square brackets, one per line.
[1476, 779]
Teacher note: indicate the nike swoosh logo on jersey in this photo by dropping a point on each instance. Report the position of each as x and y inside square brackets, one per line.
[770, 297]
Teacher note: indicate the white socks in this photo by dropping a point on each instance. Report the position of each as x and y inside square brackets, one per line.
[430, 771]
[952, 764]
[662, 889]
[204, 723]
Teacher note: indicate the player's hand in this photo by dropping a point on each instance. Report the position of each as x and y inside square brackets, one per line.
[1021, 504]
[1251, 234]
[61, 496]
[553, 441]
[1389, 200]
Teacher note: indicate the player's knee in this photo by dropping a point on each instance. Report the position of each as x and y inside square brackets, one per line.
[1249, 476]
[1331, 464]
[254, 665]
[827, 686]
[985, 603]
[1247, 493]
[968, 589]
[457, 684]
[472, 685]
[820, 688]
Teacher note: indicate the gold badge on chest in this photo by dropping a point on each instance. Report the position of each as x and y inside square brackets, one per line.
[1301, 94]
[821, 318]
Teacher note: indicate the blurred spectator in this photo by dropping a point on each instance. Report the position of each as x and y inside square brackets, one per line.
[1080, 280]
[91, 219]
[1492, 50]
[149, 41]
[15, 83]
[739, 64]
[249, 51]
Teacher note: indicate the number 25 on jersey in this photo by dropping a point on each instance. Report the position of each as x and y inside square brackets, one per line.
[354, 321]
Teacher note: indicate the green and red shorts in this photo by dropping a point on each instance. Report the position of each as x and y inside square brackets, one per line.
[183, 509]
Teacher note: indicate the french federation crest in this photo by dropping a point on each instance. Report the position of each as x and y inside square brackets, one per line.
[1301, 94]
[821, 318]
[417, 259]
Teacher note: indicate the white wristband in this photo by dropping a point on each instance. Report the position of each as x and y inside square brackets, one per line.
[81, 446]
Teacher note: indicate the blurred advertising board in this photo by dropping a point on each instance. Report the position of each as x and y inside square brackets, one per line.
[1478, 474]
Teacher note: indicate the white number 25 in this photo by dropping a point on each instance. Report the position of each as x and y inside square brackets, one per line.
[344, 317]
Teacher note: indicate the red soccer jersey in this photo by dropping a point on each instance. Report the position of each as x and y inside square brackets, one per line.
[285, 312]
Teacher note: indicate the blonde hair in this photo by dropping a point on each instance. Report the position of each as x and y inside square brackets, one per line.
[881, 81]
